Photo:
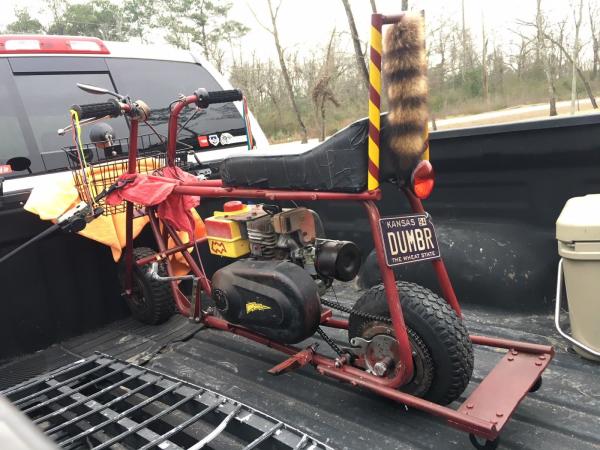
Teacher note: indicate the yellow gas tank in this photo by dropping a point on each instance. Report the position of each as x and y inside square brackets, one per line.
[226, 234]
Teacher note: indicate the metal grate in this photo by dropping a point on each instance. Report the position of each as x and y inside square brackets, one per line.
[102, 402]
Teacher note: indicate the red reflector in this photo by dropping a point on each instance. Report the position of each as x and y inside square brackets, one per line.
[5, 168]
[52, 44]
[203, 141]
[423, 179]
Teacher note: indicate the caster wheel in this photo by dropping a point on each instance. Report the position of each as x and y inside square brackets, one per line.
[488, 445]
[536, 386]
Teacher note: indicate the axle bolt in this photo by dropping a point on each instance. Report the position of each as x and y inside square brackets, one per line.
[381, 367]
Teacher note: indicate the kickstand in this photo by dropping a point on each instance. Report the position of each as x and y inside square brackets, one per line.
[300, 359]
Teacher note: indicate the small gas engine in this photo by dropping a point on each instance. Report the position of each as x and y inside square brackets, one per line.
[284, 265]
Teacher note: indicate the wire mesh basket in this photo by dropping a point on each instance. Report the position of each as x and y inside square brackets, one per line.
[106, 161]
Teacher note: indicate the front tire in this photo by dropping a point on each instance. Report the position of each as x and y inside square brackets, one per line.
[442, 350]
[151, 301]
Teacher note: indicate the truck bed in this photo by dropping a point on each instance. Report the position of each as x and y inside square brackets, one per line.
[564, 413]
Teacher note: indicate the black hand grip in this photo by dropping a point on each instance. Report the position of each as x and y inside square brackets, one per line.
[206, 98]
[110, 108]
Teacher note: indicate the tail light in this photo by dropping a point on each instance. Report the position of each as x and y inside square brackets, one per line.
[423, 179]
[16, 44]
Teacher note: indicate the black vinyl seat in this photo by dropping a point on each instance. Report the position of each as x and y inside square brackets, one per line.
[337, 165]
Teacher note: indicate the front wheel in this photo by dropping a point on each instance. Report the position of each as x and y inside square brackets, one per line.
[442, 350]
[151, 301]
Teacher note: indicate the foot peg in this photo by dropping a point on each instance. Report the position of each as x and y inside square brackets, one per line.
[296, 361]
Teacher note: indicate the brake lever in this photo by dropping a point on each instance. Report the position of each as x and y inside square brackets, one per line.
[62, 131]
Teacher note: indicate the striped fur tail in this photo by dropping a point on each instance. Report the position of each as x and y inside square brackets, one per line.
[405, 74]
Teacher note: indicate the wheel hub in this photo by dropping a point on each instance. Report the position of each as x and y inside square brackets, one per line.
[381, 353]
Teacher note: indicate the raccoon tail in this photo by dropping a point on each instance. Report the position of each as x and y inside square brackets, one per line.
[405, 74]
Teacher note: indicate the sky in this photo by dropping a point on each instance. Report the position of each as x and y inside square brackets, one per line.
[305, 25]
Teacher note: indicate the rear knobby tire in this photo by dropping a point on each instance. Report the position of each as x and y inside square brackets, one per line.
[151, 301]
[448, 356]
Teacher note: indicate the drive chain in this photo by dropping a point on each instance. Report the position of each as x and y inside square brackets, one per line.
[336, 348]
[348, 310]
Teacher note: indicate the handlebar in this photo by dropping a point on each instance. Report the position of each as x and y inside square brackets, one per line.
[206, 98]
[110, 108]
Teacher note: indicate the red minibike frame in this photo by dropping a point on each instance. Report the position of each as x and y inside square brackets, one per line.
[483, 413]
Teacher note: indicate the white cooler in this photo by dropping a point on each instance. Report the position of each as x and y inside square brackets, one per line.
[578, 235]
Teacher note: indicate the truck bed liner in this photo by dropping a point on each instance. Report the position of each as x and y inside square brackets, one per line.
[562, 414]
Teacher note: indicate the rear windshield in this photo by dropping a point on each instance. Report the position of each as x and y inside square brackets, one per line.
[46, 99]
[35, 95]
[158, 83]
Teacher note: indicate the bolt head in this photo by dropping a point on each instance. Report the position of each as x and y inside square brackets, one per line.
[538, 363]
[470, 405]
[499, 414]
[380, 369]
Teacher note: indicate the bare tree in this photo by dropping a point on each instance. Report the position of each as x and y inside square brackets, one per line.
[498, 68]
[584, 80]
[560, 39]
[484, 69]
[466, 46]
[522, 55]
[273, 12]
[464, 40]
[360, 57]
[542, 49]
[577, 14]
[373, 7]
[593, 16]
[438, 37]
[322, 91]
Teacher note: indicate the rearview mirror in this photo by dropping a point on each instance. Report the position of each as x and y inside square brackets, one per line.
[97, 90]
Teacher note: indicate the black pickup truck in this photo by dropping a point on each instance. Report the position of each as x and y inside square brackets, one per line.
[499, 191]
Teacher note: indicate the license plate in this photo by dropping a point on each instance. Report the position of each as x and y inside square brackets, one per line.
[408, 238]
